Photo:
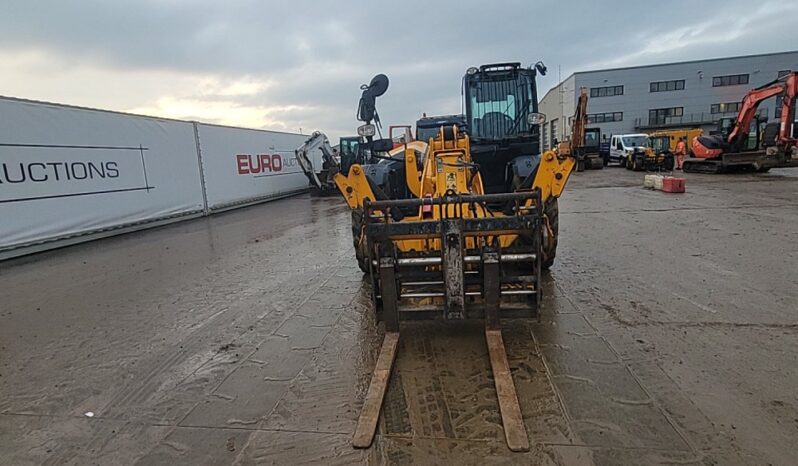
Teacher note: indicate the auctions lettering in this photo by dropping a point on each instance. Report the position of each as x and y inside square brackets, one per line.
[41, 172]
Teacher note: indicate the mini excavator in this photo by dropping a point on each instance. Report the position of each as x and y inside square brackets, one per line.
[775, 146]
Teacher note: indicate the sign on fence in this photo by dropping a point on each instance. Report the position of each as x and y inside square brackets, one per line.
[68, 171]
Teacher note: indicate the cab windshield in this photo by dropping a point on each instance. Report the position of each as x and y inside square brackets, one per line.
[348, 147]
[660, 143]
[591, 139]
[635, 141]
[499, 108]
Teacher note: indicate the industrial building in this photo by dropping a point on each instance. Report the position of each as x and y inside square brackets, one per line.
[636, 99]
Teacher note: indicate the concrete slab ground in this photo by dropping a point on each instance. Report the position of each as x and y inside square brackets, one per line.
[669, 335]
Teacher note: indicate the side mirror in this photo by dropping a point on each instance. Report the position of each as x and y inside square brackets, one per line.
[536, 118]
[365, 130]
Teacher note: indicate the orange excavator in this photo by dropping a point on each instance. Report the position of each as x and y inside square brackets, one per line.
[777, 148]
[584, 142]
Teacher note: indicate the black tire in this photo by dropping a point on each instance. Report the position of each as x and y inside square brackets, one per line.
[622, 162]
[668, 163]
[552, 211]
[357, 228]
[597, 164]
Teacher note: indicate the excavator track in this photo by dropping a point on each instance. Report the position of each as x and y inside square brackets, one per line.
[702, 166]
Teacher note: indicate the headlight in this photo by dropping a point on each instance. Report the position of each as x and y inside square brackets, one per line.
[366, 131]
[536, 118]
[471, 71]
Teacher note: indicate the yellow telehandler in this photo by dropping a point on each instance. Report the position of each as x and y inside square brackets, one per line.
[459, 226]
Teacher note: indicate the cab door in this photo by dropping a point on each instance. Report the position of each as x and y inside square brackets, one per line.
[616, 149]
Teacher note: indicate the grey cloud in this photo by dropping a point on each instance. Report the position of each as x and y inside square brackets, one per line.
[424, 47]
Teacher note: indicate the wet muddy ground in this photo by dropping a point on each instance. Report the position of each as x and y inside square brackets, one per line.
[669, 335]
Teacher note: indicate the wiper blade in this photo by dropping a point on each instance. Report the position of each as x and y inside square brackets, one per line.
[521, 116]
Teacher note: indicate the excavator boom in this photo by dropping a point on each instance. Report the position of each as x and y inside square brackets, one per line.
[316, 152]
[749, 108]
[580, 121]
[577, 145]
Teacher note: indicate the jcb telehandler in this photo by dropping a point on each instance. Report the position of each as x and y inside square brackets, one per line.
[460, 226]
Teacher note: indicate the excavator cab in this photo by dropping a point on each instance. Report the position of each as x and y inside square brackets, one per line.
[592, 139]
[350, 150]
[660, 144]
[752, 141]
[354, 150]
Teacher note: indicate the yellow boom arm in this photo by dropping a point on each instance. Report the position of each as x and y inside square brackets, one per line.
[553, 173]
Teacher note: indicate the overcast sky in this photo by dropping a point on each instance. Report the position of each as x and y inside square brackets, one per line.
[291, 65]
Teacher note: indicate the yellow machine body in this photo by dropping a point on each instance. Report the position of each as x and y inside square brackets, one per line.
[447, 170]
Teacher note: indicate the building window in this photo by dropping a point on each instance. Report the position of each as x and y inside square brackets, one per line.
[544, 130]
[554, 132]
[665, 86]
[729, 107]
[779, 98]
[731, 80]
[661, 116]
[609, 117]
[607, 91]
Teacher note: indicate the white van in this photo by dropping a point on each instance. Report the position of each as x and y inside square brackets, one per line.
[623, 145]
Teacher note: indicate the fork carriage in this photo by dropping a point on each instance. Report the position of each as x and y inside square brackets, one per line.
[462, 270]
